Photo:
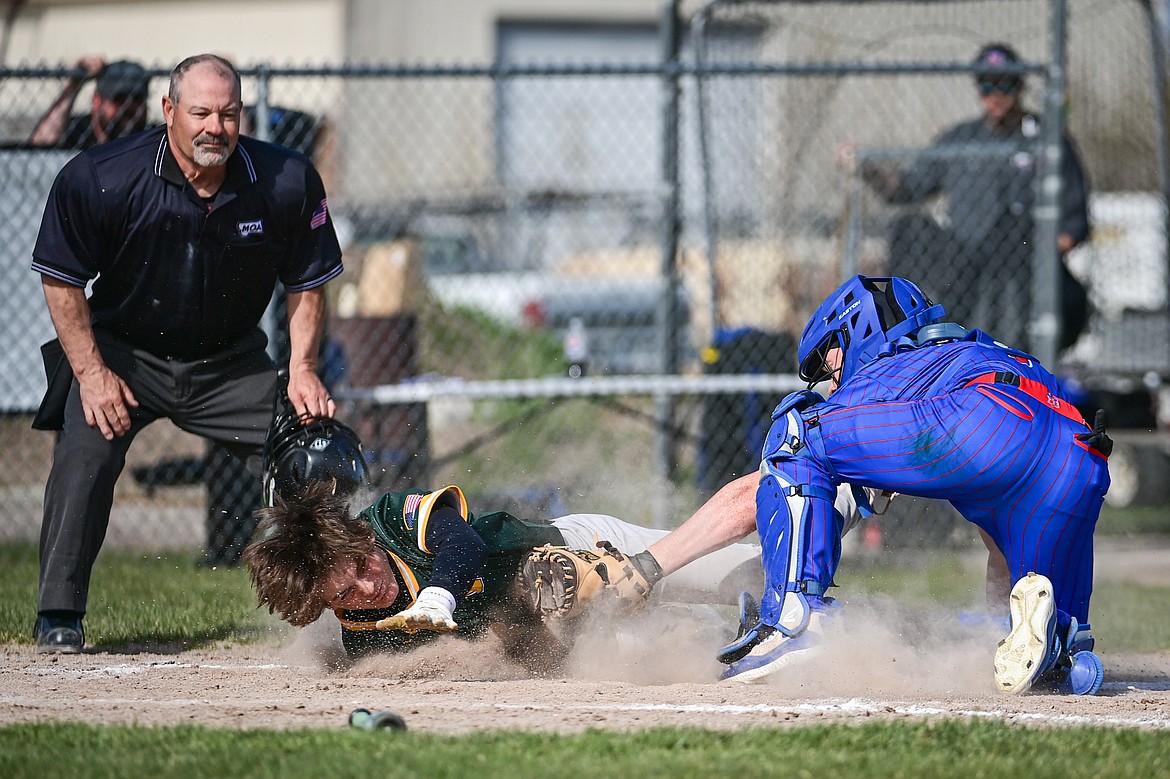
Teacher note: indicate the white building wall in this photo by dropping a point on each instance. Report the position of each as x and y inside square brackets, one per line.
[161, 32]
[291, 31]
[465, 30]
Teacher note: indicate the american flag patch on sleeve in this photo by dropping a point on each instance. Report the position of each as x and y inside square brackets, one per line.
[319, 216]
[410, 510]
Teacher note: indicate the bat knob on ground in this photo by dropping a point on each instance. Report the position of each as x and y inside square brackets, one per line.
[364, 719]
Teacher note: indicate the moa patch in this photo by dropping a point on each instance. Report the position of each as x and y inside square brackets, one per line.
[246, 229]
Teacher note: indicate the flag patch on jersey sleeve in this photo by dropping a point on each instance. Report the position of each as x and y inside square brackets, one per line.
[319, 216]
[410, 510]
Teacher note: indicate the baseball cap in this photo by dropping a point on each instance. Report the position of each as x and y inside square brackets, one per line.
[992, 59]
[122, 80]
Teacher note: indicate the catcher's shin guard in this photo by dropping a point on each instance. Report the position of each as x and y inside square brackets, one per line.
[1032, 647]
[799, 529]
[749, 613]
[796, 569]
[800, 544]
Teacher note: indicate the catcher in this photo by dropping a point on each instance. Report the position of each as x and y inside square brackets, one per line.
[414, 564]
[924, 407]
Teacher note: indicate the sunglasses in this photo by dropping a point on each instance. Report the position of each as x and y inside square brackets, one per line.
[1003, 87]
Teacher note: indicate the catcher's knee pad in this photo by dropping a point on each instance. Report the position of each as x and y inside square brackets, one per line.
[789, 432]
[785, 512]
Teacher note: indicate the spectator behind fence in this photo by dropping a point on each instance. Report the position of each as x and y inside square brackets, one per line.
[184, 230]
[118, 106]
[980, 263]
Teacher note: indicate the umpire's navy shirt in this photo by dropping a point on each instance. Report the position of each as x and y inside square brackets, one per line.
[174, 274]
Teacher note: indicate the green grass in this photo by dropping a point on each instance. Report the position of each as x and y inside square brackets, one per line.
[1134, 520]
[142, 601]
[940, 749]
[1130, 617]
[1127, 617]
[149, 601]
[166, 601]
[462, 341]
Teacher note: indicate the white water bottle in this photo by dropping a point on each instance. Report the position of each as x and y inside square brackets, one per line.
[576, 347]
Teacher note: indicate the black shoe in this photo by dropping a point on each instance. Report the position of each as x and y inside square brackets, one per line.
[59, 635]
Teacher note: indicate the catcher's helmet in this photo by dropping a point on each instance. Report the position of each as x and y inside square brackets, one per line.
[863, 317]
[300, 451]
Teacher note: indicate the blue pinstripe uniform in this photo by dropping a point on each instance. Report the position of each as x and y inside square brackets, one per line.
[935, 422]
[972, 422]
[925, 408]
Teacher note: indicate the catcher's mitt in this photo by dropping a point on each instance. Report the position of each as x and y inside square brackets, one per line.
[561, 582]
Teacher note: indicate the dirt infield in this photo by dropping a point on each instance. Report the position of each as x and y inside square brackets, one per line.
[888, 662]
[659, 673]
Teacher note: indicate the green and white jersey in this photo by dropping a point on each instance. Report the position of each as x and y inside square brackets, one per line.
[399, 521]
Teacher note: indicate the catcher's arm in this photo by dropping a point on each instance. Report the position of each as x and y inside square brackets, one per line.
[560, 582]
[431, 610]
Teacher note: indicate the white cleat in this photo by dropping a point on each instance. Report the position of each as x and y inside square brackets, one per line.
[1028, 650]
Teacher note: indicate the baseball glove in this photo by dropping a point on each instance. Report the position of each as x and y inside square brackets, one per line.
[560, 582]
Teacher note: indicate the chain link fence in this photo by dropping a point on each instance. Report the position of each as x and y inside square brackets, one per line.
[677, 214]
[863, 149]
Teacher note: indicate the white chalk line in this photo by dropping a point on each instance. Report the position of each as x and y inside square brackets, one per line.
[127, 669]
[122, 669]
[850, 707]
[853, 706]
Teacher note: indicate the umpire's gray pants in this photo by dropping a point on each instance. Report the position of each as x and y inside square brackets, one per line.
[226, 397]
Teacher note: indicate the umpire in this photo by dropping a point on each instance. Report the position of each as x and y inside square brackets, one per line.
[183, 230]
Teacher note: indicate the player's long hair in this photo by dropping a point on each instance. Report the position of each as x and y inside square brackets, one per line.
[298, 542]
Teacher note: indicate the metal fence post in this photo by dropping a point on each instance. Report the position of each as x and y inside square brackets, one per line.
[666, 443]
[1045, 325]
[261, 127]
[699, 46]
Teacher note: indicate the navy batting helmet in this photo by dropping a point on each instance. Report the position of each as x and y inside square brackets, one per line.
[299, 451]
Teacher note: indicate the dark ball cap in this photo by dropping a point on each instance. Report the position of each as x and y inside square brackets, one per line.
[990, 61]
[123, 80]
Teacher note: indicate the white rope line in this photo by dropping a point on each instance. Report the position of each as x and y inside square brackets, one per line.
[423, 390]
